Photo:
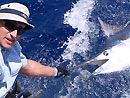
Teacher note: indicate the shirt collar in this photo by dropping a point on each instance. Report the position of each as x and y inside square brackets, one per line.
[1, 48]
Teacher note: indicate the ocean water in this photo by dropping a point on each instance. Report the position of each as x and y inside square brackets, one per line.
[66, 33]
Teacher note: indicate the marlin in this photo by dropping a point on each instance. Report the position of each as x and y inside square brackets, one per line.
[114, 55]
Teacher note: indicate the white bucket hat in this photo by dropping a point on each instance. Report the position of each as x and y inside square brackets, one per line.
[16, 12]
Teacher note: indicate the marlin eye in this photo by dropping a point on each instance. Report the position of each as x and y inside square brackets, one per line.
[105, 53]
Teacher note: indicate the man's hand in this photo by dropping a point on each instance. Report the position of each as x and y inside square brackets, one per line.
[61, 72]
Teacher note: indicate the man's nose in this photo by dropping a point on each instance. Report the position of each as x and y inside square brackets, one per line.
[14, 33]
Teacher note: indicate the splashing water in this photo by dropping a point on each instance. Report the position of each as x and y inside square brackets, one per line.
[78, 17]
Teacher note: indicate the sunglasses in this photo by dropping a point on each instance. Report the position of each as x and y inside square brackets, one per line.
[9, 25]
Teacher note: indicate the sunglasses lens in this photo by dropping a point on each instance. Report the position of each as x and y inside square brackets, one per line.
[11, 27]
[20, 30]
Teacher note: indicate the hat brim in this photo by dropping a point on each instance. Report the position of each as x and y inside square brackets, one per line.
[9, 16]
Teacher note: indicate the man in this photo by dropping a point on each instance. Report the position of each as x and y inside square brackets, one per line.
[13, 23]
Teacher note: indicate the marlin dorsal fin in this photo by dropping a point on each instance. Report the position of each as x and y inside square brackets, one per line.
[109, 29]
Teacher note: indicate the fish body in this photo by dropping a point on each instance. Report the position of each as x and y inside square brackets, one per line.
[115, 49]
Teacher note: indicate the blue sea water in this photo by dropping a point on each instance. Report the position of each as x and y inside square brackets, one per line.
[66, 33]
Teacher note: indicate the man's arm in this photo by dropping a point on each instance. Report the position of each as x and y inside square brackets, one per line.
[37, 70]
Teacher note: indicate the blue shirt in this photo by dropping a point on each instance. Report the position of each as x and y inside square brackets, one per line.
[11, 61]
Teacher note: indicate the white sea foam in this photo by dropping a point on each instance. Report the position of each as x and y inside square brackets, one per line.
[78, 17]
[126, 95]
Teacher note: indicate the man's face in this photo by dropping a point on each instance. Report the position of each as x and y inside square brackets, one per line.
[9, 37]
